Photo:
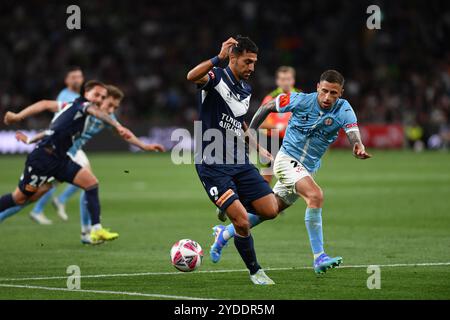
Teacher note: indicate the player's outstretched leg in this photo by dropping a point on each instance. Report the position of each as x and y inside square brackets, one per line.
[7, 201]
[12, 203]
[313, 222]
[5, 214]
[224, 233]
[37, 213]
[60, 201]
[85, 220]
[268, 206]
[243, 241]
[313, 196]
[86, 180]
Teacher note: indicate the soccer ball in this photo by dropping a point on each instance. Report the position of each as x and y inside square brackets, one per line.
[186, 255]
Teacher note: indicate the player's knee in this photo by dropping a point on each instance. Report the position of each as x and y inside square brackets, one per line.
[91, 186]
[242, 225]
[91, 183]
[35, 197]
[20, 200]
[19, 197]
[270, 211]
[315, 198]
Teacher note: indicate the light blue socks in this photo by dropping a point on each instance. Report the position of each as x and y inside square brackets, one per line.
[85, 217]
[42, 202]
[67, 193]
[313, 222]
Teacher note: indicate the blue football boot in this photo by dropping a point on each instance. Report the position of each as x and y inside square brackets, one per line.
[219, 242]
[324, 262]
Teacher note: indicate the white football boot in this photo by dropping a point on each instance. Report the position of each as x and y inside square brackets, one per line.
[260, 277]
[60, 209]
[40, 218]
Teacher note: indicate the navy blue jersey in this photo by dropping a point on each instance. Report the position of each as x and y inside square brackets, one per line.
[66, 126]
[224, 103]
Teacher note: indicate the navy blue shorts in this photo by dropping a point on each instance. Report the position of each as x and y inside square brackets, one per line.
[41, 166]
[226, 183]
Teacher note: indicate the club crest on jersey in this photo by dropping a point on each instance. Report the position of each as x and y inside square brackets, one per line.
[328, 121]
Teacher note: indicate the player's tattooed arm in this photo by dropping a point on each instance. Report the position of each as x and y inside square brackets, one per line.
[262, 113]
[359, 151]
[253, 143]
[35, 108]
[259, 117]
[199, 75]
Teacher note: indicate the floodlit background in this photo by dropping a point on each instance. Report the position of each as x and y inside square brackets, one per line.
[397, 75]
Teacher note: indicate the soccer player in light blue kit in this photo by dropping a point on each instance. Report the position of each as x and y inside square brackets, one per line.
[73, 80]
[314, 126]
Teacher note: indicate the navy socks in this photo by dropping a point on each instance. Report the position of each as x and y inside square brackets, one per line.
[245, 247]
[93, 204]
[6, 202]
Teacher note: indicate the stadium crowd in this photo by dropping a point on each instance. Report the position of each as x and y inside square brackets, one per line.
[397, 74]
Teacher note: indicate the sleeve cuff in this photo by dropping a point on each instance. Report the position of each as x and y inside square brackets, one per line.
[351, 129]
[277, 102]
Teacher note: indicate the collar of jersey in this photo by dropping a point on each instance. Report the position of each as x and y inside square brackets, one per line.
[82, 99]
[231, 77]
[68, 90]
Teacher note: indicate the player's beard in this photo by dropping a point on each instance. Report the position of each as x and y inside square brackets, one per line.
[246, 76]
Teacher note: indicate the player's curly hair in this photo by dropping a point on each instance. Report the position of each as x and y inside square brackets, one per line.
[245, 44]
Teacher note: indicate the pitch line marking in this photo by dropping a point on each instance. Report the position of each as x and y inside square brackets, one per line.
[138, 294]
[430, 264]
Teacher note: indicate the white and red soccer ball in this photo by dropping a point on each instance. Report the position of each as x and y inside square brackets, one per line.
[186, 255]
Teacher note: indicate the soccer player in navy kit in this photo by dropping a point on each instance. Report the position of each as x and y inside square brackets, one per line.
[50, 160]
[233, 184]
[74, 81]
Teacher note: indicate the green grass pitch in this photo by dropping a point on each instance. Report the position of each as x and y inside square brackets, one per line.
[390, 210]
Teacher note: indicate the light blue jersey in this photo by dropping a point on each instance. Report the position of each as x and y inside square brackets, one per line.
[312, 128]
[67, 95]
[64, 97]
[92, 127]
